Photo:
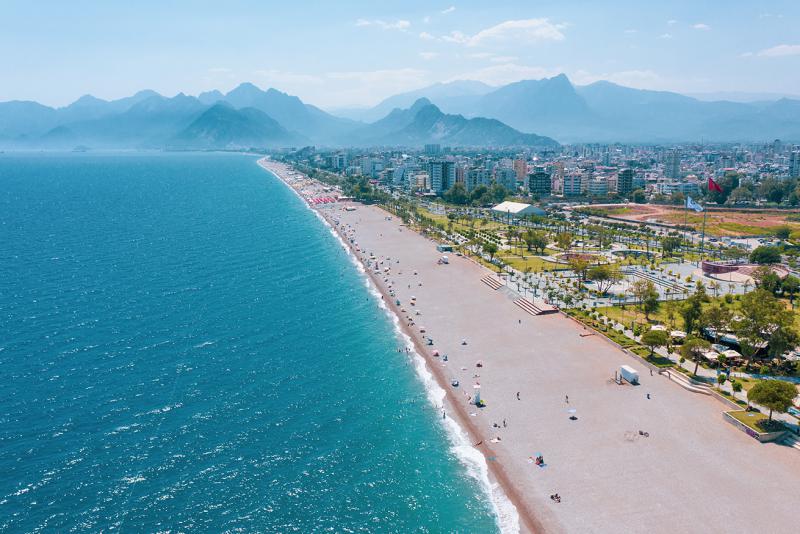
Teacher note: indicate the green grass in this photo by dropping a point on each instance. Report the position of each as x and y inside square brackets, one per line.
[754, 420]
[536, 264]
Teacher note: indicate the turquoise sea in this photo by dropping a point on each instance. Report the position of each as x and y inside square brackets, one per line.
[185, 347]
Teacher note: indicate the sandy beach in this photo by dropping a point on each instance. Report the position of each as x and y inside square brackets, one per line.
[686, 471]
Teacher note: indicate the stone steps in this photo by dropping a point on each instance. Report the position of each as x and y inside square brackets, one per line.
[492, 281]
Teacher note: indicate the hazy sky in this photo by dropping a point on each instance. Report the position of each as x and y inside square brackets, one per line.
[344, 53]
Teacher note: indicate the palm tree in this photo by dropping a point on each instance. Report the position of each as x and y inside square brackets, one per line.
[715, 286]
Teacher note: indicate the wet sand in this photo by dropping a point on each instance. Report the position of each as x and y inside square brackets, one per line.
[694, 473]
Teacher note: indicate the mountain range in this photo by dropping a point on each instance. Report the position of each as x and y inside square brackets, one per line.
[424, 123]
[607, 112]
[460, 113]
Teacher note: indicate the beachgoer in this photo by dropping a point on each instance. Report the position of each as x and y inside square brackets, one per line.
[648, 395]
[566, 399]
[504, 423]
[518, 395]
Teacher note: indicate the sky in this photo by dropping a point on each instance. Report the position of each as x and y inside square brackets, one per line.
[343, 53]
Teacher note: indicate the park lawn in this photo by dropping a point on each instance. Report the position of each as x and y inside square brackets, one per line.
[632, 313]
[750, 419]
[747, 383]
[535, 263]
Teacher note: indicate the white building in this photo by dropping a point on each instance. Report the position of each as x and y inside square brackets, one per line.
[516, 209]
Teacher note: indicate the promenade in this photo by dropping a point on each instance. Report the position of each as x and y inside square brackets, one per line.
[693, 472]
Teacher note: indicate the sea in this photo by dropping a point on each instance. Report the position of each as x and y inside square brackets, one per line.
[186, 347]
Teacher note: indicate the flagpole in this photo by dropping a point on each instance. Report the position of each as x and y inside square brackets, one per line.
[686, 233]
[703, 237]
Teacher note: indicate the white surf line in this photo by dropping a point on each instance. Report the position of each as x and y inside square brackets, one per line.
[474, 462]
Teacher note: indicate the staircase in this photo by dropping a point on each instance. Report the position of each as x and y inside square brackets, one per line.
[534, 309]
[791, 440]
[685, 383]
[492, 281]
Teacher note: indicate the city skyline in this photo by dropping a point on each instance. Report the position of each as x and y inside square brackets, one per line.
[361, 53]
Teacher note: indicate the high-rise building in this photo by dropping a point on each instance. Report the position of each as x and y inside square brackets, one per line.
[475, 177]
[442, 175]
[597, 186]
[521, 168]
[558, 177]
[539, 182]
[573, 184]
[625, 181]
[794, 164]
[507, 177]
[461, 173]
[672, 165]
[433, 149]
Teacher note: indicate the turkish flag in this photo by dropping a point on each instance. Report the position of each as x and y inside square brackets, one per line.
[714, 186]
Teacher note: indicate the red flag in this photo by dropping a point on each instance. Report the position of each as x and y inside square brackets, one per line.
[714, 186]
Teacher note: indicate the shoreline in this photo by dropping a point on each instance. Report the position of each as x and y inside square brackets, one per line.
[527, 522]
[647, 456]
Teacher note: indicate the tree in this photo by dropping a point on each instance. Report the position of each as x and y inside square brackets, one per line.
[604, 276]
[693, 350]
[535, 240]
[564, 240]
[782, 232]
[639, 196]
[579, 265]
[790, 286]
[670, 244]
[490, 249]
[740, 195]
[653, 339]
[457, 194]
[728, 183]
[766, 255]
[716, 317]
[766, 278]
[763, 318]
[647, 295]
[773, 394]
[691, 311]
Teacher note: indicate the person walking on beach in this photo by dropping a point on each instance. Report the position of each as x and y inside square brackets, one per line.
[566, 399]
[518, 395]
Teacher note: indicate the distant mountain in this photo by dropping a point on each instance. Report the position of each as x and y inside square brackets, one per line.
[425, 123]
[292, 113]
[222, 126]
[607, 112]
[210, 97]
[24, 119]
[452, 95]
[742, 96]
[29, 120]
[552, 107]
[146, 124]
[396, 120]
